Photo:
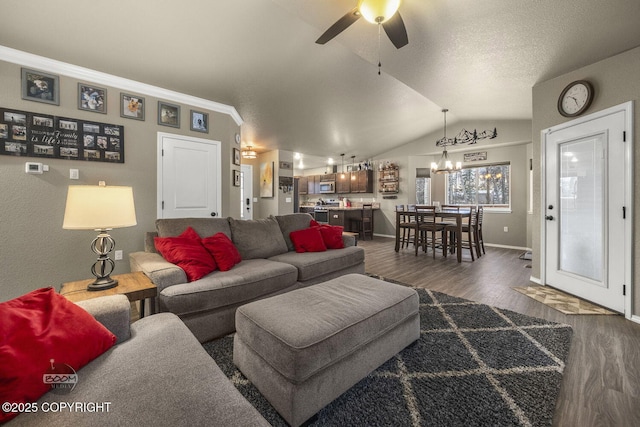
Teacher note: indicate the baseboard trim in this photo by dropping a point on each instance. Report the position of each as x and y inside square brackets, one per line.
[85, 74]
[635, 319]
[535, 280]
[520, 248]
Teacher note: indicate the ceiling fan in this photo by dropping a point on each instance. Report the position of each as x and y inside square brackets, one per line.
[381, 12]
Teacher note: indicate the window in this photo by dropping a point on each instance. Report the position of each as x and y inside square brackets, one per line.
[423, 186]
[423, 191]
[487, 185]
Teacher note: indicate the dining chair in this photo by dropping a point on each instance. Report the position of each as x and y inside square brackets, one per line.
[426, 224]
[468, 229]
[479, 238]
[407, 226]
[364, 224]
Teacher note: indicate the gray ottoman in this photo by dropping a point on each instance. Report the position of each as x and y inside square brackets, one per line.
[304, 348]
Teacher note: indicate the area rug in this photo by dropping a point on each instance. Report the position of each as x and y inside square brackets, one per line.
[565, 303]
[473, 365]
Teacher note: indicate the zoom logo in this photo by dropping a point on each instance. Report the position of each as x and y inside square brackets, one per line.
[61, 377]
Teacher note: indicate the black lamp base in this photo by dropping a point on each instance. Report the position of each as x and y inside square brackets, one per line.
[102, 283]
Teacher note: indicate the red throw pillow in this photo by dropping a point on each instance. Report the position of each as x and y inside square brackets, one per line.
[332, 236]
[308, 240]
[223, 250]
[314, 223]
[42, 332]
[188, 253]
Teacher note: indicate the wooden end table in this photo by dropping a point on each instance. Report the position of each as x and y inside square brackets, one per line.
[136, 286]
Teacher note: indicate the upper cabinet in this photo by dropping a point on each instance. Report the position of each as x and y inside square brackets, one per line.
[389, 179]
[363, 182]
[343, 183]
[303, 185]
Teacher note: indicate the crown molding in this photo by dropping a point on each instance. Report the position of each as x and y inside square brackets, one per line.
[57, 67]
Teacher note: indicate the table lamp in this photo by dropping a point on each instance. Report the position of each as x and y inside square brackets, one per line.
[100, 208]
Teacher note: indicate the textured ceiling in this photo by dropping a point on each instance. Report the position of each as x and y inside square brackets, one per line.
[480, 59]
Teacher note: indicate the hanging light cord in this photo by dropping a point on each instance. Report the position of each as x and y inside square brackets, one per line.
[379, 36]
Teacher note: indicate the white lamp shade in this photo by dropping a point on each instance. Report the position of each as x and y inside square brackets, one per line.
[378, 11]
[93, 207]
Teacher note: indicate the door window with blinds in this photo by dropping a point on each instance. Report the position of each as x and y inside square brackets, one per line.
[423, 186]
[486, 185]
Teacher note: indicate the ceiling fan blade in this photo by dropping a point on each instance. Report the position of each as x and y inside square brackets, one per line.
[340, 25]
[396, 31]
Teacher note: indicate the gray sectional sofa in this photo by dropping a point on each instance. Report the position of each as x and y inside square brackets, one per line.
[270, 266]
[157, 374]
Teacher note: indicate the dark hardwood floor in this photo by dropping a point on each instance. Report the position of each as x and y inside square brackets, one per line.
[601, 384]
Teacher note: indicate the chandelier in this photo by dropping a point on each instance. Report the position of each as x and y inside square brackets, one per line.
[249, 153]
[445, 165]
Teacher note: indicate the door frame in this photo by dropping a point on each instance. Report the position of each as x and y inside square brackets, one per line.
[159, 172]
[244, 169]
[628, 109]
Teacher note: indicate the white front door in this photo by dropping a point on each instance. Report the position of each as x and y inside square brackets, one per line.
[246, 192]
[189, 180]
[587, 218]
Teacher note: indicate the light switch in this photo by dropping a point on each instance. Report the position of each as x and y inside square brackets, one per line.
[74, 174]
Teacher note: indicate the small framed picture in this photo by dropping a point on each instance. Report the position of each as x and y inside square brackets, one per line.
[199, 121]
[168, 114]
[236, 178]
[236, 156]
[40, 87]
[92, 98]
[132, 106]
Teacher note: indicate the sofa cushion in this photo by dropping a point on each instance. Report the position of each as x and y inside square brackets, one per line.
[315, 264]
[308, 240]
[223, 251]
[257, 238]
[332, 236]
[43, 332]
[249, 280]
[205, 227]
[293, 222]
[187, 252]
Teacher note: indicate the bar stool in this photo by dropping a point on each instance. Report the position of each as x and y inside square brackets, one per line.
[364, 224]
[426, 223]
[469, 229]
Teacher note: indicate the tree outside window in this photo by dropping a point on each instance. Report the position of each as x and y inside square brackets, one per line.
[423, 191]
[487, 185]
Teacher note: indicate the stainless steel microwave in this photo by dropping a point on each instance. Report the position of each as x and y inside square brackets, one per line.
[327, 187]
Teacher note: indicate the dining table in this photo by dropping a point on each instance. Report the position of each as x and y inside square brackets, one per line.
[458, 214]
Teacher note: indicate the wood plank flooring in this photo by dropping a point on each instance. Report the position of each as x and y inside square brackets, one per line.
[601, 384]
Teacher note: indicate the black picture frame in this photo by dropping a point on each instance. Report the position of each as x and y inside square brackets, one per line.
[199, 121]
[132, 106]
[236, 178]
[92, 98]
[236, 157]
[168, 114]
[40, 87]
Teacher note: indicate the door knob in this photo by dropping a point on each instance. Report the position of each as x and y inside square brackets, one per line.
[213, 214]
[549, 217]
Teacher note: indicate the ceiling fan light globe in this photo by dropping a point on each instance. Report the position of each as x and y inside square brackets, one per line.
[378, 11]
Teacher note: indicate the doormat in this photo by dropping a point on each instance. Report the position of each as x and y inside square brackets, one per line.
[565, 303]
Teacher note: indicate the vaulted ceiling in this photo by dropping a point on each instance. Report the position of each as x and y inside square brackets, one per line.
[479, 58]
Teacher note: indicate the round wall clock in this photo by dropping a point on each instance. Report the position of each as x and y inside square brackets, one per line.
[237, 138]
[575, 98]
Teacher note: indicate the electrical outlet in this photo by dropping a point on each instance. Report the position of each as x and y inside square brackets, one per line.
[117, 255]
[506, 229]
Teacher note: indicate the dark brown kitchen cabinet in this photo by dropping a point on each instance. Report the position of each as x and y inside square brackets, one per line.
[343, 183]
[328, 177]
[336, 218]
[313, 184]
[303, 185]
[363, 183]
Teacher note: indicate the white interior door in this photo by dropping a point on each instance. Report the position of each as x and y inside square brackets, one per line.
[586, 240]
[246, 192]
[188, 177]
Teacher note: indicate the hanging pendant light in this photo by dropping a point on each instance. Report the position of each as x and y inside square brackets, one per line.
[353, 168]
[445, 165]
[342, 174]
[249, 153]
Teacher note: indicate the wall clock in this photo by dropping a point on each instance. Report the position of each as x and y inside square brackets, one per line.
[575, 98]
[237, 138]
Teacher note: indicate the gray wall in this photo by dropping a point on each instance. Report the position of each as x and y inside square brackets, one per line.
[615, 81]
[278, 204]
[34, 249]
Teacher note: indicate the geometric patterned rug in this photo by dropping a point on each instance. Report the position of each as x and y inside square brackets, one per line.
[565, 303]
[472, 365]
